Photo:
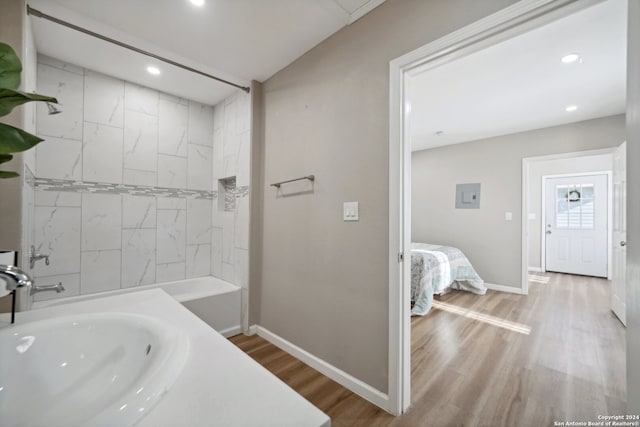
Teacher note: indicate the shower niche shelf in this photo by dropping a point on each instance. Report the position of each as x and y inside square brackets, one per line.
[227, 194]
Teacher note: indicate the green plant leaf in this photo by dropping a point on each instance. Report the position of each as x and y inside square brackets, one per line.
[14, 140]
[5, 174]
[4, 158]
[10, 67]
[10, 99]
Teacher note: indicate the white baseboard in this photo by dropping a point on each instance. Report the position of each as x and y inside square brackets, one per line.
[253, 329]
[232, 331]
[355, 385]
[535, 269]
[503, 288]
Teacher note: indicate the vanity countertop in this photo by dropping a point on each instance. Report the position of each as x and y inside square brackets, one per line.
[219, 385]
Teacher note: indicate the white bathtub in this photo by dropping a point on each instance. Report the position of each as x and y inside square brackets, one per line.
[211, 299]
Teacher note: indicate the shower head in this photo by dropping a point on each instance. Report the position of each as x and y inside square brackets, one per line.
[53, 109]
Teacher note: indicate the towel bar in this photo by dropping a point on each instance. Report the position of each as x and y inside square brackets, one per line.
[278, 184]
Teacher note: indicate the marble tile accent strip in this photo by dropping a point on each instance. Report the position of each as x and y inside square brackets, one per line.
[48, 184]
[29, 178]
[242, 191]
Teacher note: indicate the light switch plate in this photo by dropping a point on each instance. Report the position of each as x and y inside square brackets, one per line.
[350, 211]
[508, 216]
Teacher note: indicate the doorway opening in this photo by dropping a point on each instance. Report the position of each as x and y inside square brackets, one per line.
[499, 29]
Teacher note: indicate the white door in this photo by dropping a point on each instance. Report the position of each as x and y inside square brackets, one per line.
[619, 261]
[576, 225]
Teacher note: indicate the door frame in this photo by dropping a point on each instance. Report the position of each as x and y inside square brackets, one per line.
[526, 166]
[502, 25]
[543, 215]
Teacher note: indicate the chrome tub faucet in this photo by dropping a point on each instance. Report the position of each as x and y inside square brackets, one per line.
[45, 288]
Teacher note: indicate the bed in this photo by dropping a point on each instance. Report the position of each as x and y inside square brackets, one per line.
[437, 269]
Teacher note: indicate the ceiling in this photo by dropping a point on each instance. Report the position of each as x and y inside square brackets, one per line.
[238, 40]
[522, 84]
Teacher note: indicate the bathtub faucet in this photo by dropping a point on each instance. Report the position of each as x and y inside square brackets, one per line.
[45, 288]
[14, 277]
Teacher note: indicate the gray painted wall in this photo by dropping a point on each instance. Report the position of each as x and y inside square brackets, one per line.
[324, 281]
[633, 207]
[493, 245]
[11, 32]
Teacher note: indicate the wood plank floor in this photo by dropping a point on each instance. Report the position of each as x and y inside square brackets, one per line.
[501, 359]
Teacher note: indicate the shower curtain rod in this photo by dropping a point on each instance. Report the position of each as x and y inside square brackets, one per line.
[38, 14]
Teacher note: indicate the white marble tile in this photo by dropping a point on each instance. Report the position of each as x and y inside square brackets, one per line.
[57, 233]
[217, 211]
[140, 141]
[200, 162]
[102, 153]
[138, 177]
[231, 140]
[163, 96]
[198, 260]
[68, 88]
[100, 271]
[243, 165]
[103, 99]
[243, 112]
[198, 221]
[101, 221]
[171, 236]
[71, 283]
[200, 124]
[57, 198]
[228, 272]
[138, 211]
[140, 99]
[170, 272]
[241, 268]
[138, 257]
[230, 155]
[228, 239]
[218, 115]
[172, 133]
[172, 171]
[216, 252]
[59, 158]
[241, 232]
[47, 60]
[172, 203]
[218, 154]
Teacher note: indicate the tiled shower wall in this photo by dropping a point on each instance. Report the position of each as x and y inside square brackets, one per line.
[231, 169]
[125, 183]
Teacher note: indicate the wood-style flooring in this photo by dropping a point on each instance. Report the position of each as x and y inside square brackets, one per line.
[501, 359]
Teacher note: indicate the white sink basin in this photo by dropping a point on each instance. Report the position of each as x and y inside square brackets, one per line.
[105, 369]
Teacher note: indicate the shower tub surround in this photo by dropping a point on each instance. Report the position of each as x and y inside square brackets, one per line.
[126, 185]
[219, 385]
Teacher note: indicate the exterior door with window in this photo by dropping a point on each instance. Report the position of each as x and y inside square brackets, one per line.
[576, 237]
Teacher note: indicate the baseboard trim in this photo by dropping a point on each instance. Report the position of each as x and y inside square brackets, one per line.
[355, 385]
[231, 332]
[253, 329]
[503, 288]
[535, 269]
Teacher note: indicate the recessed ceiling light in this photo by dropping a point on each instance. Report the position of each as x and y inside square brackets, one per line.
[571, 108]
[570, 58]
[153, 70]
[197, 2]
